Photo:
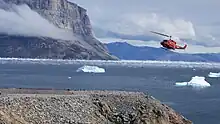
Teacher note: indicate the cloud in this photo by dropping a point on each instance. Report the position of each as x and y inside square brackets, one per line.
[145, 22]
[21, 20]
[141, 24]
[195, 21]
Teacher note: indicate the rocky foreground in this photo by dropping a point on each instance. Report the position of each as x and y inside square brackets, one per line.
[35, 106]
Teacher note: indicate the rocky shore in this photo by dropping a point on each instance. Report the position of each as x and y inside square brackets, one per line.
[48, 106]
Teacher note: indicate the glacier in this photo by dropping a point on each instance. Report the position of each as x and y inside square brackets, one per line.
[130, 63]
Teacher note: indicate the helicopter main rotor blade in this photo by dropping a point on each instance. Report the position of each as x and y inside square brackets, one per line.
[161, 34]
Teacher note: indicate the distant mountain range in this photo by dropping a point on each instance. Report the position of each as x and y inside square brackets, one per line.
[125, 51]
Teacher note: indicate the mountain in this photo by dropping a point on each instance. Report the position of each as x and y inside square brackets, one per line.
[56, 29]
[126, 51]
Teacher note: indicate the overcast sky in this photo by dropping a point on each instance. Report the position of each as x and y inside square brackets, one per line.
[191, 19]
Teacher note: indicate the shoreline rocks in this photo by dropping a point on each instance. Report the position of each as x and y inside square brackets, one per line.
[39, 106]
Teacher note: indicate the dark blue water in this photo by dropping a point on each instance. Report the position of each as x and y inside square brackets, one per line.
[200, 106]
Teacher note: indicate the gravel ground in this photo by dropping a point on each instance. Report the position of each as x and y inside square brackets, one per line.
[38, 106]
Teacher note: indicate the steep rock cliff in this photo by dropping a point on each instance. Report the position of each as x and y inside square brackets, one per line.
[68, 16]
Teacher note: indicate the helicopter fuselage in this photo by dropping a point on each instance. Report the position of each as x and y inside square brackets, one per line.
[169, 44]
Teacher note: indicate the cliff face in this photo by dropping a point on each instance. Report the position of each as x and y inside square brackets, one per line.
[68, 16]
[47, 48]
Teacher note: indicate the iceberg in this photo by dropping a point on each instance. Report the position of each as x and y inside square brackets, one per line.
[91, 69]
[211, 74]
[195, 82]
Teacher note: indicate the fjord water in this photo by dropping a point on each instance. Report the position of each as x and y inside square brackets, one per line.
[199, 105]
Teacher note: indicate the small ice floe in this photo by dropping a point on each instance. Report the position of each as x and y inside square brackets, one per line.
[69, 77]
[91, 69]
[196, 81]
[212, 74]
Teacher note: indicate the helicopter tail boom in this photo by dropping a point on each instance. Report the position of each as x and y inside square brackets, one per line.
[179, 47]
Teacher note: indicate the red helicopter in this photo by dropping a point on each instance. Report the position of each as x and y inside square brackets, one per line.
[169, 44]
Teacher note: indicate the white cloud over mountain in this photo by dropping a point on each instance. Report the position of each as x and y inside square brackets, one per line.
[21, 20]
